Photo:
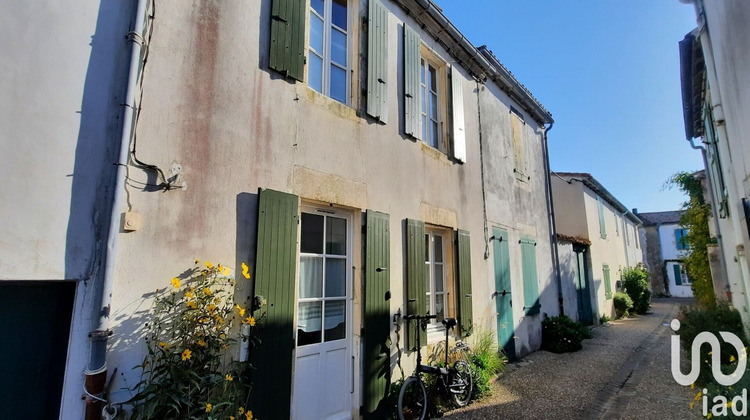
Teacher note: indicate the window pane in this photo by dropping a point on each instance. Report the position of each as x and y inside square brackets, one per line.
[427, 277]
[312, 234]
[308, 323]
[317, 5]
[424, 128]
[438, 278]
[424, 100]
[433, 79]
[338, 13]
[336, 236]
[434, 135]
[439, 307]
[335, 277]
[316, 34]
[338, 47]
[335, 320]
[338, 84]
[315, 72]
[427, 247]
[422, 71]
[438, 248]
[310, 277]
[433, 106]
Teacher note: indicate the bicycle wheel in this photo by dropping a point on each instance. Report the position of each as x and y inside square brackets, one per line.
[460, 384]
[412, 400]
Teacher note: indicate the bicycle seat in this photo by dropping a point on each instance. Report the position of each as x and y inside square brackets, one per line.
[449, 322]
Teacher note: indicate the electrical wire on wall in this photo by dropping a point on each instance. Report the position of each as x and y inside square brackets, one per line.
[165, 184]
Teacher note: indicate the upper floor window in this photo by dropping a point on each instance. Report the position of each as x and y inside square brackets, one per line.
[328, 49]
[430, 104]
[428, 79]
[518, 124]
[602, 226]
[679, 236]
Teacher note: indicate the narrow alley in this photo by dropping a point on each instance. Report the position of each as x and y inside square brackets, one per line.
[623, 372]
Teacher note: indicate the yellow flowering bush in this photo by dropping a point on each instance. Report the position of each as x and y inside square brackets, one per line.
[187, 372]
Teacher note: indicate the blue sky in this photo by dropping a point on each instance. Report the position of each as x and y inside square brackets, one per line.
[608, 71]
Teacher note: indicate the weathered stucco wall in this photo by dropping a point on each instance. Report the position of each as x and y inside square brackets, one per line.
[569, 208]
[654, 260]
[60, 111]
[212, 107]
[568, 279]
[519, 206]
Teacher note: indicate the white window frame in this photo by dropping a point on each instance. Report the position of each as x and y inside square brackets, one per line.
[325, 55]
[326, 213]
[435, 329]
[431, 58]
[427, 93]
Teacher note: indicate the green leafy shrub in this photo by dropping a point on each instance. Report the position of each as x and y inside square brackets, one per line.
[623, 303]
[561, 334]
[635, 283]
[187, 372]
[604, 319]
[720, 317]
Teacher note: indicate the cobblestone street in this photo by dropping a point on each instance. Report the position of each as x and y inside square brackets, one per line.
[623, 372]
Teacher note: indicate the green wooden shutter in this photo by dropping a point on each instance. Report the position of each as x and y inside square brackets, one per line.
[377, 323]
[275, 267]
[465, 315]
[607, 282]
[416, 298]
[677, 275]
[377, 61]
[531, 303]
[412, 98]
[602, 226]
[288, 38]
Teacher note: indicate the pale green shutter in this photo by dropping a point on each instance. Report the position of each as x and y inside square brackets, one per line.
[465, 315]
[377, 323]
[275, 267]
[459, 134]
[677, 275]
[377, 61]
[288, 38]
[416, 297]
[607, 282]
[412, 85]
[602, 227]
[531, 303]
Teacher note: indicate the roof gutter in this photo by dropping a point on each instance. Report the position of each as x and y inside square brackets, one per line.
[96, 370]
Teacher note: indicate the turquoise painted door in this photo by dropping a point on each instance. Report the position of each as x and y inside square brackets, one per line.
[582, 287]
[502, 294]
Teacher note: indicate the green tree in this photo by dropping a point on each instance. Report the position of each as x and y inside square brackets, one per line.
[697, 239]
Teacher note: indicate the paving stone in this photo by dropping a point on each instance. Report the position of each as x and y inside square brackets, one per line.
[623, 372]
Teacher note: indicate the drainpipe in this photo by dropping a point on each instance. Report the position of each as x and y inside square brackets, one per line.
[481, 172]
[551, 215]
[96, 370]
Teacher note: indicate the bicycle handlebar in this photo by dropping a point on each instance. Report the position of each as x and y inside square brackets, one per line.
[414, 316]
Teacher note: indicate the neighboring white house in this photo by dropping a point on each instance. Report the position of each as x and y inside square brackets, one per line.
[599, 239]
[663, 252]
[714, 59]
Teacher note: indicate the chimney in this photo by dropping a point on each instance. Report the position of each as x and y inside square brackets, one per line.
[635, 211]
